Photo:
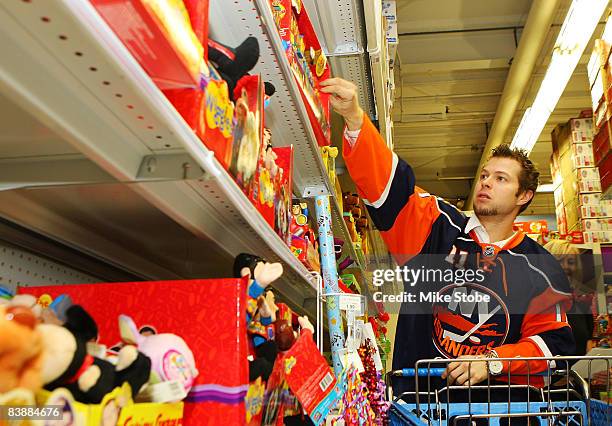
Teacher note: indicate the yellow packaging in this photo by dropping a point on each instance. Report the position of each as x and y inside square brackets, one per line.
[117, 408]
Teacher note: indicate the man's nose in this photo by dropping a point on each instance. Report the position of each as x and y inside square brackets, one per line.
[486, 182]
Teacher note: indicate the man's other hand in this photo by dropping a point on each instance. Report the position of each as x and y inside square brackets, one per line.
[344, 101]
[464, 372]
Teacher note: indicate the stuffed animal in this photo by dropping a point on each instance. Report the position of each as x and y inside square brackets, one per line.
[67, 364]
[44, 308]
[171, 358]
[21, 349]
[286, 335]
[261, 311]
[233, 64]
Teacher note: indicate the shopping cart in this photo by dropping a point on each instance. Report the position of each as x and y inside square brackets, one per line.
[564, 400]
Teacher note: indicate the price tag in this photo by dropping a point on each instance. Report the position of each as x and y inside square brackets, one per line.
[351, 302]
[348, 357]
[359, 331]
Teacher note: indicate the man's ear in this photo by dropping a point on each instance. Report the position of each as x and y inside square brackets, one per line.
[524, 197]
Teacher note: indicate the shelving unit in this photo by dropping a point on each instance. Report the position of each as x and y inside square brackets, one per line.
[286, 116]
[342, 32]
[114, 172]
[132, 175]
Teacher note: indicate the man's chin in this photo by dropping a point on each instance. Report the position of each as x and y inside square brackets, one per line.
[485, 211]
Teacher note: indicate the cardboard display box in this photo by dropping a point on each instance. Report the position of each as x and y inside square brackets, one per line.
[210, 315]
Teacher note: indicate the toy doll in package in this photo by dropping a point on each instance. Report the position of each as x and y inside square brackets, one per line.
[284, 192]
[248, 131]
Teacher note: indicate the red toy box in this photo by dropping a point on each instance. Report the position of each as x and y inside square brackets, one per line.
[284, 192]
[248, 132]
[198, 15]
[208, 314]
[159, 35]
[208, 110]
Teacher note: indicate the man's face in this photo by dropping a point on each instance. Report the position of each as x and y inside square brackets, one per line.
[498, 185]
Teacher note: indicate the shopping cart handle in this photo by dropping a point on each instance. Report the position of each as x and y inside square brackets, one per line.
[437, 372]
[422, 372]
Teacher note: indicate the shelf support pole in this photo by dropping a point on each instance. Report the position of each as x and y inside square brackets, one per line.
[330, 279]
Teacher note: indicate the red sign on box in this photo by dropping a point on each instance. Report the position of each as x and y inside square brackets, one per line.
[532, 227]
[208, 314]
[310, 378]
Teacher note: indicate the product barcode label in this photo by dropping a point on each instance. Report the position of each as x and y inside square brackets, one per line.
[327, 380]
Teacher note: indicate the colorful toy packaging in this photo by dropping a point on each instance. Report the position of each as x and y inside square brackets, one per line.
[303, 240]
[248, 132]
[283, 194]
[208, 314]
[208, 110]
[301, 379]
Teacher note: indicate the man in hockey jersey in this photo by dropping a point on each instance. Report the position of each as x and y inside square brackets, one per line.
[527, 289]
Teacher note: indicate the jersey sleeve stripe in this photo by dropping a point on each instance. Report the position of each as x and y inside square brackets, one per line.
[450, 221]
[543, 347]
[383, 197]
[540, 272]
[399, 193]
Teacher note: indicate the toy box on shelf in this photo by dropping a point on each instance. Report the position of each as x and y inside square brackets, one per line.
[283, 184]
[160, 36]
[272, 188]
[573, 237]
[357, 223]
[307, 61]
[208, 110]
[304, 243]
[602, 145]
[117, 408]
[198, 15]
[248, 132]
[578, 201]
[208, 314]
[301, 373]
[535, 229]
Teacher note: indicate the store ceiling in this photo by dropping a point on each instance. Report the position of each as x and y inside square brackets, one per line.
[454, 60]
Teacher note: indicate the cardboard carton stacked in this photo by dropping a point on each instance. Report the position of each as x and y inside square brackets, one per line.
[578, 204]
[600, 81]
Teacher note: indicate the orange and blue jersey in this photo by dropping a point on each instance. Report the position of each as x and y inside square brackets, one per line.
[527, 290]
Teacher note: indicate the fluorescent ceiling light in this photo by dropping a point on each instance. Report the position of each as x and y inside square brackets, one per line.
[580, 22]
[546, 187]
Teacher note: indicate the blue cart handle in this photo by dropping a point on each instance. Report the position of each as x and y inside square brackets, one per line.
[422, 372]
[437, 372]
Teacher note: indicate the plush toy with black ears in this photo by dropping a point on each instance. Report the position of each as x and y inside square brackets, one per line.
[67, 364]
[233, 64]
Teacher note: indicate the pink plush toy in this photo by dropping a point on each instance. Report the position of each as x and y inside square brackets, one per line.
[171, 358]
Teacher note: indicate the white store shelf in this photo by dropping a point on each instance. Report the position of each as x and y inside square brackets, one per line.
[98, 120]
[343, 37]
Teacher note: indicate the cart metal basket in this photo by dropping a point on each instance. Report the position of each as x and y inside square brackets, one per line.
[564, 400]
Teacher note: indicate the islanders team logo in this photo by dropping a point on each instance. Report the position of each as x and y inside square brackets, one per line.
[470, 321]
